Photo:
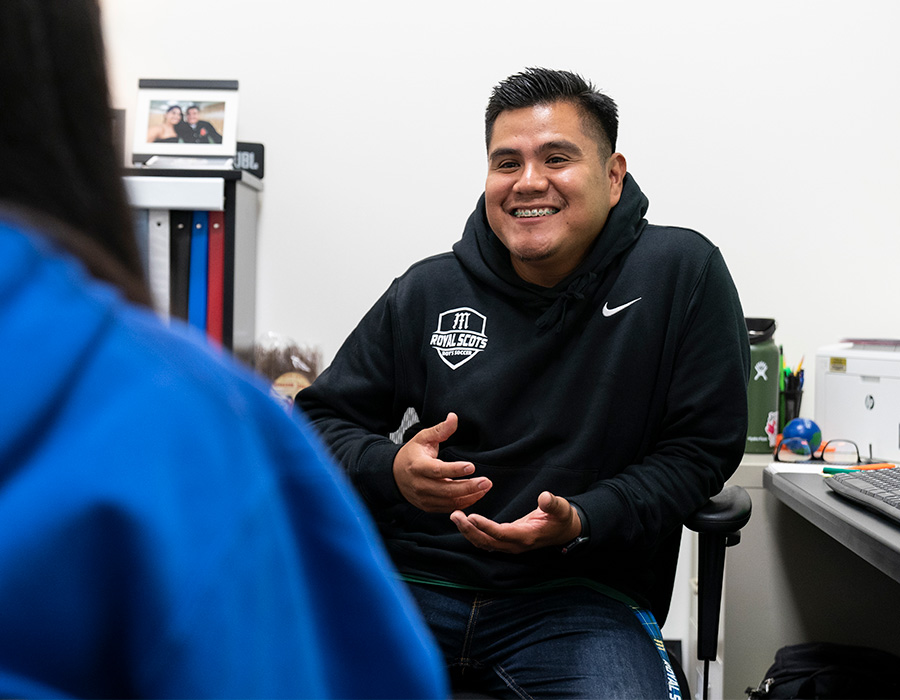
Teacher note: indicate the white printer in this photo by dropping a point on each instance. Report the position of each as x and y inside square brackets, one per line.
[858, 395]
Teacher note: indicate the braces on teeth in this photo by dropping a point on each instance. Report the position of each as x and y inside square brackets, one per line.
[522, 213]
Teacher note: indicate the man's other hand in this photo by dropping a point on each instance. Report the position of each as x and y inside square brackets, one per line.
[431, 484]
[553, 522]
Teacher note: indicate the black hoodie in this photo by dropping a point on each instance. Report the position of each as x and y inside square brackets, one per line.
[622, 389]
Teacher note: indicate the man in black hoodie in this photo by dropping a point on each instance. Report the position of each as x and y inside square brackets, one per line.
[581, 376]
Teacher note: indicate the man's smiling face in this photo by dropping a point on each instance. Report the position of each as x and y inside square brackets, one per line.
[549, 189]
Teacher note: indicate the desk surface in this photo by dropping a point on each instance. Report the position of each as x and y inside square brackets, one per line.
[874, 538]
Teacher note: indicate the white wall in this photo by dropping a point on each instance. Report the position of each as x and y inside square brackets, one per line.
[770, 126]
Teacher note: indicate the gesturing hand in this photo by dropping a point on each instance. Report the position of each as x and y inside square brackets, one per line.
[553, 522]
[433, 485]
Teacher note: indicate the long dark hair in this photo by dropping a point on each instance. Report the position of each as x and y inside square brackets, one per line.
[56, 138]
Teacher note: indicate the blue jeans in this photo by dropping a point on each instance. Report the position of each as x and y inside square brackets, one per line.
[562, 643]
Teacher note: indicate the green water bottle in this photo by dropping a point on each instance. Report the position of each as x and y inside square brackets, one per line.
[763, 390]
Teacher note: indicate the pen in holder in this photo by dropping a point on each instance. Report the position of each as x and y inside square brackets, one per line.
[791, 399]
[791, 396]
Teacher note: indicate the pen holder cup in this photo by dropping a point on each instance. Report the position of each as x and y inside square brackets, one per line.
[790, 403]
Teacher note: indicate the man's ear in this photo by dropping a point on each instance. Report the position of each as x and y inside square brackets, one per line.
[616, 168]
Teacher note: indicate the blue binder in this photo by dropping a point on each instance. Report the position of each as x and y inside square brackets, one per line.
[199, 266]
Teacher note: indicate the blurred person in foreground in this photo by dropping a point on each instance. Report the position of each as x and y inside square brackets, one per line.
[166, 530]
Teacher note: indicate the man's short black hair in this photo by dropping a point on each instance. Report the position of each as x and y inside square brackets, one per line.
[538, 86]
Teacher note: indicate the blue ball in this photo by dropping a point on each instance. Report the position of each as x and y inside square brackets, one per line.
[806, 429]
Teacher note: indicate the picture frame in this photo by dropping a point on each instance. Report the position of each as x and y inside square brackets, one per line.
[159, 129]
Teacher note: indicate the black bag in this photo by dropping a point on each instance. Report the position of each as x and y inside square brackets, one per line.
[824, 670]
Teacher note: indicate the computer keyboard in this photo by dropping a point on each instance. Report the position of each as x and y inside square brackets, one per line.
[878, 489]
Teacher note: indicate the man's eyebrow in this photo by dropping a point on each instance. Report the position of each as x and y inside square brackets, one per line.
[503, 153]
[561, 145]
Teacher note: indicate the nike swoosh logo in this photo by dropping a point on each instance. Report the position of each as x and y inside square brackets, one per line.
[612, 312]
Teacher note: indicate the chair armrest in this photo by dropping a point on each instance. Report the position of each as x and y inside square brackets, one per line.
[719, 524]
[724, 513]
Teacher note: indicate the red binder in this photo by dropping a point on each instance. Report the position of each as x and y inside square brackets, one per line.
[215, 284]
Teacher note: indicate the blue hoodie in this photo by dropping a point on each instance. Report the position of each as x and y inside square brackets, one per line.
[166, 530]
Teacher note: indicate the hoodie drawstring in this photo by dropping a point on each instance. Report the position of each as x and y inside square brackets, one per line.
[556, 314]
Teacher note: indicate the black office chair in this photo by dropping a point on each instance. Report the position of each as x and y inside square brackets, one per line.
[718, 524]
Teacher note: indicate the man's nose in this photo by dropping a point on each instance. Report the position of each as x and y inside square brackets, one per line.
[531, 179]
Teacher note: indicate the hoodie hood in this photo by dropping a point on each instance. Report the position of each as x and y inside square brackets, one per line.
[483, 254]
[39, 287]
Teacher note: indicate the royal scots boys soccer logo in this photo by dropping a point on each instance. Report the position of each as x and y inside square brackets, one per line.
[459, 336]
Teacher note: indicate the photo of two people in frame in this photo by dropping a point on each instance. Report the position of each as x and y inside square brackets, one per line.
[195, 123]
